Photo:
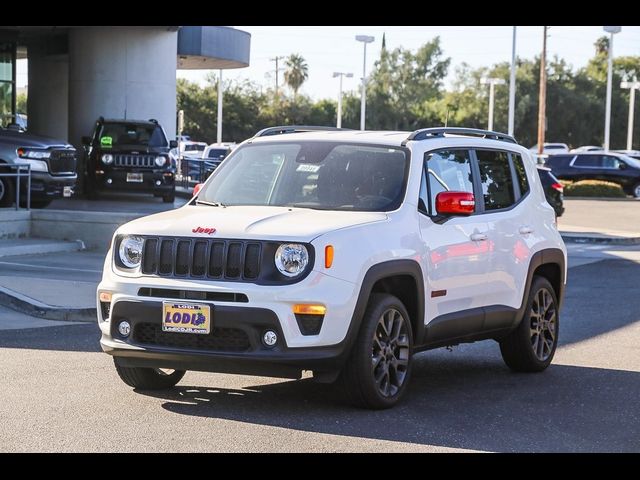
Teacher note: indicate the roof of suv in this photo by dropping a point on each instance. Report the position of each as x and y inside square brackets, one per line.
[386, 137]
[127, 120]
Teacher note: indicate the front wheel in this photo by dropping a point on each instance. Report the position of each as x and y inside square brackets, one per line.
[378, 369]
[169, 198]
[148, 378]
[531, 346]
[7, 195]
[636, 190]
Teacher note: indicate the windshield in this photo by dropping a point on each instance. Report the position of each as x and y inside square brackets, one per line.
[635, 163]
[320, 175]
[217, 153]
[119, 134]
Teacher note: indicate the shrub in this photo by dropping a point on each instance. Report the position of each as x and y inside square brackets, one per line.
[594, 188]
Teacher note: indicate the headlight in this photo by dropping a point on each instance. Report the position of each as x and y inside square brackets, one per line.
[160, 161]
[37, 165]
[107, 159]
[131, 251]
[291, 259]
[35, 154]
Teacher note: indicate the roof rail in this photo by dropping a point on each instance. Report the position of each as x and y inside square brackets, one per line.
[439, 132]
[265, 132]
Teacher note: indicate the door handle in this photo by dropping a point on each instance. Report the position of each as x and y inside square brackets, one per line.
[525, 230]
[478, 237]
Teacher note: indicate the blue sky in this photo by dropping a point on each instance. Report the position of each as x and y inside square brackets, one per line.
[329, 49]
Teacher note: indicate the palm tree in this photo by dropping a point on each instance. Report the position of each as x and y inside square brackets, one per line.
[297, 72]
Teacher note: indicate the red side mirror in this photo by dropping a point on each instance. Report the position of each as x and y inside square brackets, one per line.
[455, 203]
[197, 188]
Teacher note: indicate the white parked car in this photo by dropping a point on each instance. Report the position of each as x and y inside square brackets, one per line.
[344, 253]
[551, 148]
[586, 148]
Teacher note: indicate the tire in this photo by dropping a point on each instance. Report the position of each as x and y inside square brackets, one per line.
[521, 349]
[39, 203]
[169, 198]
[358, 377]
[148, 378]
[7, 192]
[635, 191]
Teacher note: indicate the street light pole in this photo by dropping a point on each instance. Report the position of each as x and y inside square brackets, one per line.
[607, 118]
[512, 86]
[219, 136]
[364, 39]
[492, 82]
[340, 74]
[632, 86]
[542, 95]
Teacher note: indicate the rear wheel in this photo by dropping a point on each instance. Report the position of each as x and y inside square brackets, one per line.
[378, 369]
[7, 195]
[636, 190]
[531, 346]
[148, 378]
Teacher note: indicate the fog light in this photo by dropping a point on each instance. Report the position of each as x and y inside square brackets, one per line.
[124, 328]
[270, 338]
[109, 181]
[158, 182]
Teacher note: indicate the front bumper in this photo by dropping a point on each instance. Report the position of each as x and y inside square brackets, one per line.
[46, 186]
[153, 181]
[235, 343]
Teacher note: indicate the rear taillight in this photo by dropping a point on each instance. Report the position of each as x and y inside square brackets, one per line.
[558, 187]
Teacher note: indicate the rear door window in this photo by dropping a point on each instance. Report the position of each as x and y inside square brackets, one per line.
[496, 180]
[588, 161]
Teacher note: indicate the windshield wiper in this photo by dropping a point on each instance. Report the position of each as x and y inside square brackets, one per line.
[210, 204]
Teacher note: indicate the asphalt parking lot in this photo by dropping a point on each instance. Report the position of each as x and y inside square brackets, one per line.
[60, 393]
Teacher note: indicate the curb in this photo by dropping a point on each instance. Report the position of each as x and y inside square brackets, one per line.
[32, 307]
[604, 240]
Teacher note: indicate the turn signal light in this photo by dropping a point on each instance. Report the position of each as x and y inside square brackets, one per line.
[105, 296]
[328, 256]
[305, 309]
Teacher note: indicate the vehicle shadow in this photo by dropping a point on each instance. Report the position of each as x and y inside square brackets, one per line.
[460, 403]
[81, 337]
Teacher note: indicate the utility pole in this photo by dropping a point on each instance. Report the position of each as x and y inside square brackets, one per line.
[542, 97]
[219, 136]
[277, 59]
[632, 86]
[512, 86]
[611, 30]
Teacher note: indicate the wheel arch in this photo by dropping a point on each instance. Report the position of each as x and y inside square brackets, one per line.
[402, 278]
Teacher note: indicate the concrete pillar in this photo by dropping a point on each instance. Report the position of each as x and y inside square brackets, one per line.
[48, 98]
[121, 72]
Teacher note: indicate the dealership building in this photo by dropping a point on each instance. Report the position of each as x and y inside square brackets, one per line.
[77, 74]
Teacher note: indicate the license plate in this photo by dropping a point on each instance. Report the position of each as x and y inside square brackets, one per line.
[66, 191]
[186, 318]
[134, 177]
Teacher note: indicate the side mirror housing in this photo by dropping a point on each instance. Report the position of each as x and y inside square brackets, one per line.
[455, 203]
[196, 189]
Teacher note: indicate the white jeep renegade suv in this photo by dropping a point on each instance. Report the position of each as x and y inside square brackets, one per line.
[344, 253]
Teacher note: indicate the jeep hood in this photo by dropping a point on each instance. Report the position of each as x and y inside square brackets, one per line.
[23, 139]
[248, 222]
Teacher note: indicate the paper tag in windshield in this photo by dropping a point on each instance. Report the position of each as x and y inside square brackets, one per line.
[305, 167]
[106, 142]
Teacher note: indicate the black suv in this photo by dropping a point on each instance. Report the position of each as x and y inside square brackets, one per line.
[553, 189]
[130, 155]
[609, 166]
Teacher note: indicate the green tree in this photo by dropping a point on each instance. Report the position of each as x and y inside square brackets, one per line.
[296, 73]
[21, 103]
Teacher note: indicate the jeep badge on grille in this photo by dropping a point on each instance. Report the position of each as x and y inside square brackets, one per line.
[207, 230]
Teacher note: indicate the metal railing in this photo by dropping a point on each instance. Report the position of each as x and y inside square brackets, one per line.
[191, 171]
[20, 173]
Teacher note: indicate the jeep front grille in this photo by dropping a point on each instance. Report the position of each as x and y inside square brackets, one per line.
[202, 258]
[143, 161]
[62, 162]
